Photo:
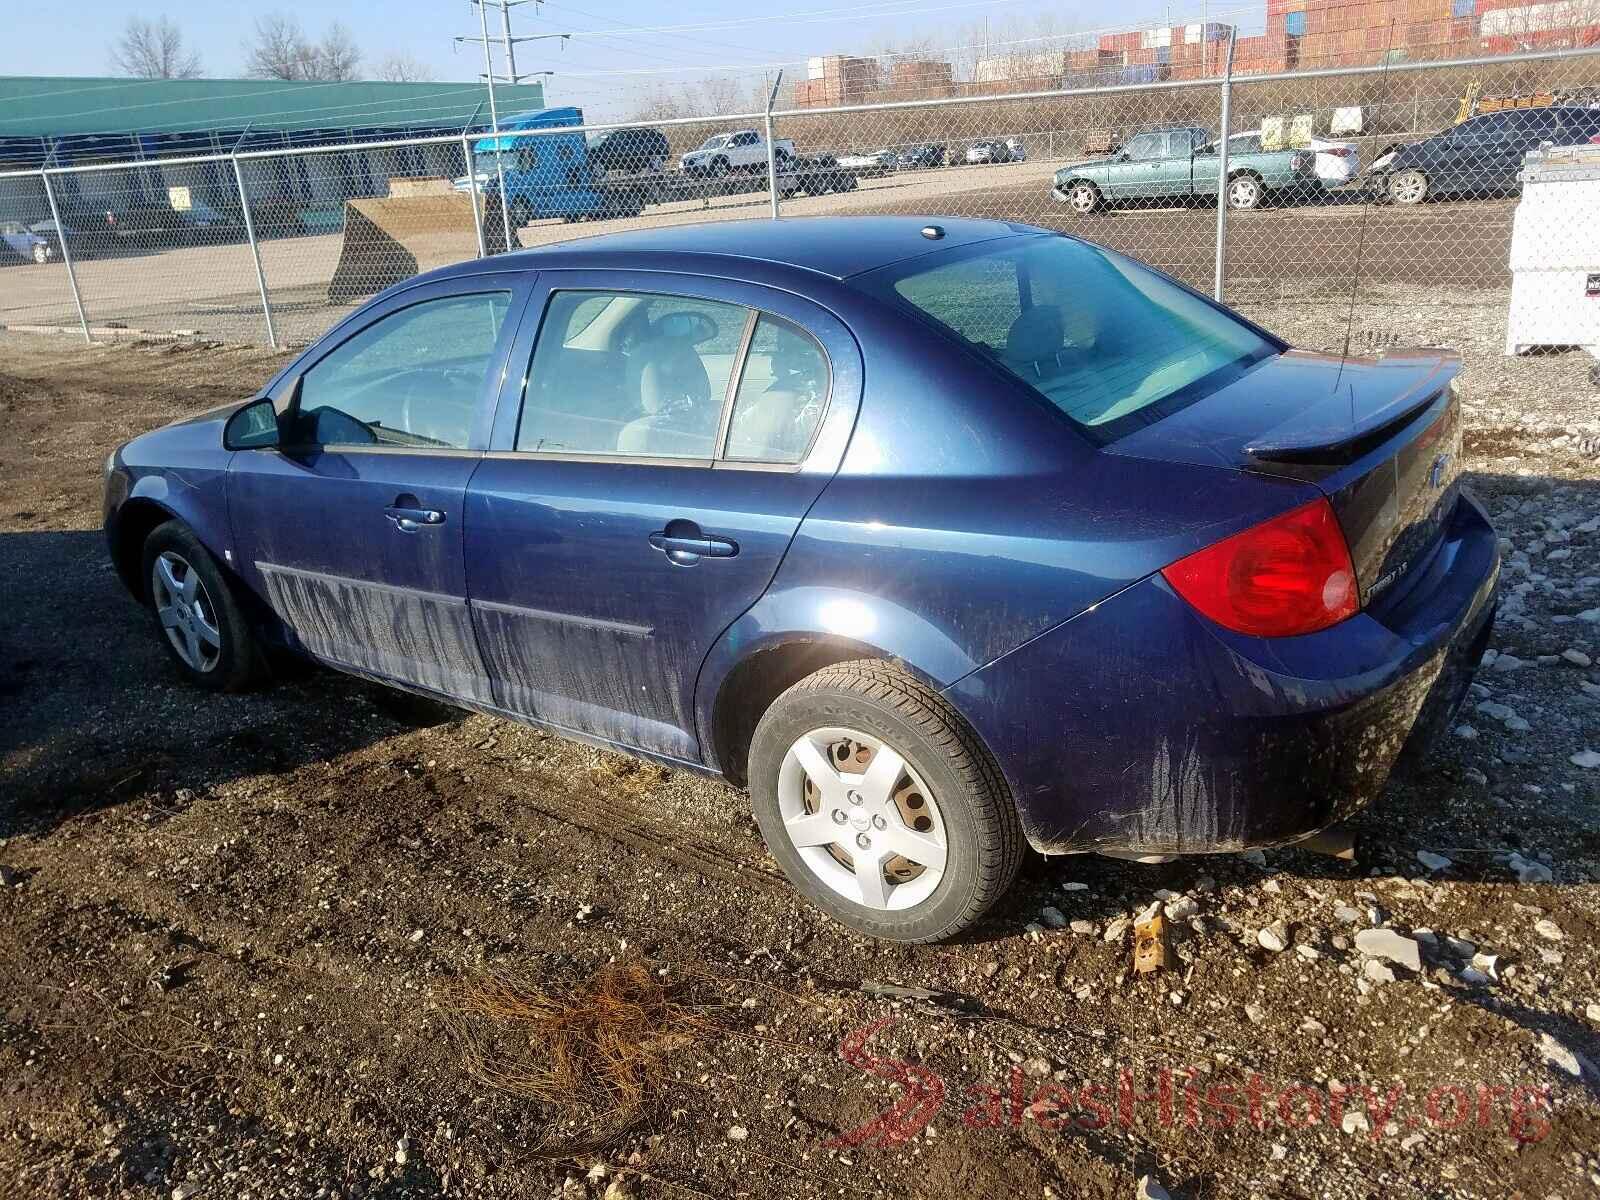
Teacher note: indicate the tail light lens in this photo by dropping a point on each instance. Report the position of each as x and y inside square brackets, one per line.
[1287, 576]
[1336, 151]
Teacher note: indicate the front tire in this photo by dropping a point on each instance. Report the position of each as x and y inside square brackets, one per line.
[196, 613]
[881, 806]
[1408, 187]
[1084, 198]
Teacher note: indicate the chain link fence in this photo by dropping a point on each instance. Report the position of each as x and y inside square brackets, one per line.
[1376, 203]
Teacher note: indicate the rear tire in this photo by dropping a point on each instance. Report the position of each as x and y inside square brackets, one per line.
[1245, 193]
[939, 797]
[197, 616]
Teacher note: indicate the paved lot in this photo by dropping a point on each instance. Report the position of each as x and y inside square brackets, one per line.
[1279, 251]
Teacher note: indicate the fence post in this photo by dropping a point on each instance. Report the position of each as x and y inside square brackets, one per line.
[772, 150]
[255, 252]
[66, 255]
[1222, 174]
[472, 182]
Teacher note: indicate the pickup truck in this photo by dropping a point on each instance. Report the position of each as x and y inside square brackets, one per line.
[1178, 164]
[741, 150]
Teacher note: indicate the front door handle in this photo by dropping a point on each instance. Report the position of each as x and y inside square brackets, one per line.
[409, 520]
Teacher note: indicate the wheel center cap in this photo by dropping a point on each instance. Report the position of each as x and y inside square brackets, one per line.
[859, 820]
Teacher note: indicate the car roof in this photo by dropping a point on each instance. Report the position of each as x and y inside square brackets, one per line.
[837, 247]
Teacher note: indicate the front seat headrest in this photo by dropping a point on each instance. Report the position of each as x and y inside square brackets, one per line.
[1037, 333]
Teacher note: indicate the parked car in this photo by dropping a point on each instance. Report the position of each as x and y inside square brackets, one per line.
[1479, 157]
[19, 242]
[944, 537]
[920, 155]
[1180, 164]
[742, 150]
[876, 162]
[635, 150]
[994, 150]
[816, 175]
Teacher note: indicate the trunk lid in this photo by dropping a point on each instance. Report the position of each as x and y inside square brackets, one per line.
[1381, 438]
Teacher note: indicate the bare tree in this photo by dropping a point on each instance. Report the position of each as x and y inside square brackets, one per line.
[154, 50]
[279, 49]
[403, 68]
[719, 94]
[337, 55]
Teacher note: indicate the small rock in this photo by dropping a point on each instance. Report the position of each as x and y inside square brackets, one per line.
[416, 935]
[1149, 1189]
[402, 1151]
[187, 1189]
[1314, 1027]
[1411, 1141]
[1473, 775]
[1592, 1011]
[619, 1189]
[1473, 977]
[1387, 944]
[991, 969]
[1434, 862]
[1559, 1056]
[1074, 887]
[1529, 871]
[1487, 964]
[1377, 972]
[1037, 1067]
[1258, 858]
[1175, 999]
[8, 877]
[1116, 929]
[1274, 937]
[1577, 657]
[1355, 1121]
[1087, 928]
[1148, 913]
[1549, 930]
[1587, 759]
[1345, 913]
[1181, 909]
[738, 1133]
[1256, 1013]
[1053, 917]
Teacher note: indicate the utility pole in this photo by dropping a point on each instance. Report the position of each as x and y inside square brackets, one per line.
[510, 43]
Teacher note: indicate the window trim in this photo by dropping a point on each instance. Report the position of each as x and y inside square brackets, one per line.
[719, 458]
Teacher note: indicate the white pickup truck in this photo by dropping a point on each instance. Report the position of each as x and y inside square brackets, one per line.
[741, 150]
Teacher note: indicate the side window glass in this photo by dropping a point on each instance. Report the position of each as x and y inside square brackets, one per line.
[783, 389]
[631, 374]
[1146, 145]
[411, 379]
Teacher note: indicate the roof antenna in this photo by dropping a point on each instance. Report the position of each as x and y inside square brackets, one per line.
[1361, 241]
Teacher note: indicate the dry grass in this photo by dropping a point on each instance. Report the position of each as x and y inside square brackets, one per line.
[595, 1047]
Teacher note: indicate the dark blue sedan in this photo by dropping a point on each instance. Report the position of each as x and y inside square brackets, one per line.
[945, 538]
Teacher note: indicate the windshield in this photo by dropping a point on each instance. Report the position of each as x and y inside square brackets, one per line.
[715, 143]
[486, 160]
[1110, 343]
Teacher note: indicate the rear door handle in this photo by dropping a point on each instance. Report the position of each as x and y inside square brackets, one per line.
[688, 545]
[409, 520]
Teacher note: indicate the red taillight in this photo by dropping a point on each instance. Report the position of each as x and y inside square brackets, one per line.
[1286, 576]
[1336, 151]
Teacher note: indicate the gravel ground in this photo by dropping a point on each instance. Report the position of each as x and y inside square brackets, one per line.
[235, 932]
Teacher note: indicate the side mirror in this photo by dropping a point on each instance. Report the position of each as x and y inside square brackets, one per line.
[253, 427]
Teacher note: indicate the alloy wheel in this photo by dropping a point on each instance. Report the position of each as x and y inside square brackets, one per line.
[1408, 187]
[186, 612]
[862, 819]
[1243, 193]
[1083, 199]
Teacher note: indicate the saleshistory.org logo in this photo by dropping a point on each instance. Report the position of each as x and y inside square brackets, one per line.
[1179, 1097]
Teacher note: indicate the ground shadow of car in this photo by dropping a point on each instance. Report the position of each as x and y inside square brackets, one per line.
[97, 713]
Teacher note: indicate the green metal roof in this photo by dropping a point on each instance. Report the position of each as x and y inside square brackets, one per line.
[61, 106]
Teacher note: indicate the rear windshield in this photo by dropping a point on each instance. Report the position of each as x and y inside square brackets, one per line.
[1110, 343]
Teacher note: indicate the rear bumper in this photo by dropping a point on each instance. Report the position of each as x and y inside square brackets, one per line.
[1139, 725]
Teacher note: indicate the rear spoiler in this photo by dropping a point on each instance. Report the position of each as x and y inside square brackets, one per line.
[1349, 441]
